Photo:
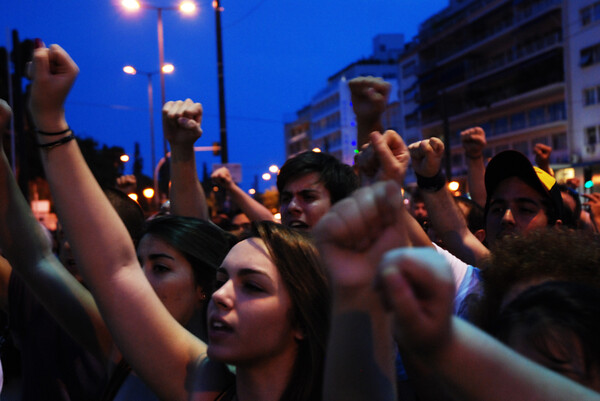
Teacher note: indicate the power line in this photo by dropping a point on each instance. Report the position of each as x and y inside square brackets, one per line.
[252, 10]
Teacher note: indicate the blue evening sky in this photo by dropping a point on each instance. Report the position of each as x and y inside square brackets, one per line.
[277, 54]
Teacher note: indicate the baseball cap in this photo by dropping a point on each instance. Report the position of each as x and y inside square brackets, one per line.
[511, 163]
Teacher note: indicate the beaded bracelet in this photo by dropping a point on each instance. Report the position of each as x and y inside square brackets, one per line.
[53, 133]
[52, 145]
[431, 184]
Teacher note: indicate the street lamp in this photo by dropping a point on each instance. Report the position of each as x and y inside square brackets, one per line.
[166, 69]
[186, 7]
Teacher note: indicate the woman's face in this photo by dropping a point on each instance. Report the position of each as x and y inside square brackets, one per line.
[249, 314]
[171, 276]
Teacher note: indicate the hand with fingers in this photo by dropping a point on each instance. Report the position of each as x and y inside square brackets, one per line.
[357, 231]
[426, 156]
[53, 73]
[474, 142]
[385, 158]
[369, 97]
[182, 122]
[222, 177]
[126, 183]
[542, 157]
[418, 287]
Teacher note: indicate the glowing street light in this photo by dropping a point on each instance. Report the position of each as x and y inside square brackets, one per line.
[148, 193]
[316, 150]
[266, 176]
[252, 191]
[186, 7]
[133, 196]
[453, 186]
[124, 158]
[274, 169]
[166, 69]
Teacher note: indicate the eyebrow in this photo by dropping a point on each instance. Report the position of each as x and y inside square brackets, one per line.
[244, 272]
[154, 256]
[519, 200]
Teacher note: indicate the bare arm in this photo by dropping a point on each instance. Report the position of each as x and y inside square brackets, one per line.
[352, 238]
[29, 252]
[160, 350]
[181, 125]
[446, 219]
[252, 208]
[542, 157]
[473, 140]
[369, 100]
[470, 363]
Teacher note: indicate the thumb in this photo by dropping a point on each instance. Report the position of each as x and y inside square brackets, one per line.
[40, 68]
[188, 123]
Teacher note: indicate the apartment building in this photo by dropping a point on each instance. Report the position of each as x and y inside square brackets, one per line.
[527, 71]
[328, 122]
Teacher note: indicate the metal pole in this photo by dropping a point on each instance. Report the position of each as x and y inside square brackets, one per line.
[151, 112]
[161, 62]
[220, 73]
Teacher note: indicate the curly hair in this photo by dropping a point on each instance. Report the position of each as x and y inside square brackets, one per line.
[544, 255]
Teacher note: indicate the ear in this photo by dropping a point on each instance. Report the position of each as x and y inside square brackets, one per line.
[201, 297]
[480, 235]
[299, 334]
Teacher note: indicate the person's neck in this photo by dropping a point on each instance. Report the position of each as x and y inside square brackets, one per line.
[265, 380]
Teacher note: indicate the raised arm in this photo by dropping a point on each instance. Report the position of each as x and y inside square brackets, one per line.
[447, 220]
[352, 238]
[181, 125]
[161, 351]
[473, 141]
[369, 99]
[542, 157]
[471, 364]
[252, 208]
[30, 254]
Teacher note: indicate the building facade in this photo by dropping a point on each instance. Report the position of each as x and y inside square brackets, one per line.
[328, 122]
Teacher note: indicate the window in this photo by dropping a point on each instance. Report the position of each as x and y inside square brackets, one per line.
[586, 15]
[589, 56]
[517, 121]
[559, 141]
[536, 116]
[522, 147]
[457, 160]
[541, 139]
[409, 69]
[590, 136]
[589, 96]
[500, 125]
[557, 111]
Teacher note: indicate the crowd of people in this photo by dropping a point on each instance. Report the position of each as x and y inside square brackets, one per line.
[361, 292]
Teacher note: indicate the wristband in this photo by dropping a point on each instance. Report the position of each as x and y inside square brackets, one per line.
[53, 133]
[52, 145]
[431, 184]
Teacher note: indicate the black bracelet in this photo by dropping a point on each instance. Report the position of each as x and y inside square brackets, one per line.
[52, 145]
[431, 184]
[53, 133]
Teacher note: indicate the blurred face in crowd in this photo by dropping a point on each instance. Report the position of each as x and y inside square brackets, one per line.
[239, 224]
[515, 208]
[171, 276]
[304, 201]
[561, 352]
[249, 315]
